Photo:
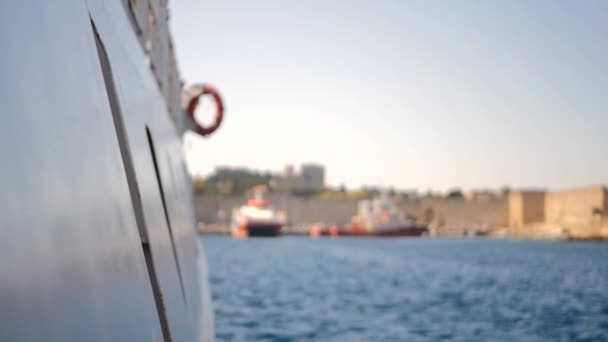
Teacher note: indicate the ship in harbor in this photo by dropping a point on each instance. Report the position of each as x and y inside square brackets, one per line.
[97, 238]
[257, 217]
[378, 217]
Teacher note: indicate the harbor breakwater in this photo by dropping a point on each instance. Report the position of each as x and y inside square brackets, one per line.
[571, 214]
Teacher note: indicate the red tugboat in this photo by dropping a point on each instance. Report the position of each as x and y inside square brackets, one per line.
[376, 218]
[257, 218]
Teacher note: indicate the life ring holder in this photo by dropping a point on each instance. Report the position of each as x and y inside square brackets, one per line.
[206, 89]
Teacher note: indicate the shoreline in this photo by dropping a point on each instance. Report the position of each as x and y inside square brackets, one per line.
[498, 234]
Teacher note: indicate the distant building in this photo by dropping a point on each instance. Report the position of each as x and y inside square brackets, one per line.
[310, 178]
[409, 194]
[313, 176]
[526, 207]
[289, 171]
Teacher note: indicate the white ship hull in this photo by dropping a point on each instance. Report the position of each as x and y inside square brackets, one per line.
[98, 235]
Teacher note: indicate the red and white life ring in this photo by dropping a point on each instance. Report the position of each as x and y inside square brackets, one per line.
[206, 89]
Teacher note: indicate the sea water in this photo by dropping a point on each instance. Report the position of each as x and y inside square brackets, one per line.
[298, 289]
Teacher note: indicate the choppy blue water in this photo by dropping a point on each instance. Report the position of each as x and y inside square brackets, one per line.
[297, 289]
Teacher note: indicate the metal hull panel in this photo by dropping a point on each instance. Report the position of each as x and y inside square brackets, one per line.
[71, 254]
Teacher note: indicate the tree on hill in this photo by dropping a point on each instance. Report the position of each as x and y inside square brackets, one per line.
[232, 181]
[455, 193]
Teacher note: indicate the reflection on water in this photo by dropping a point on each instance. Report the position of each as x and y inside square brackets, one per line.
[416, 290]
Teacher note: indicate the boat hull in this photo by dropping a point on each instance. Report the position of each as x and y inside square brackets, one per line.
[98, 237]
[406, 231]
[257, 230]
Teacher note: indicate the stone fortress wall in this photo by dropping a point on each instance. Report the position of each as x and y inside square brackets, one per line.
[447, 212]
[583, 212]
[300, 210]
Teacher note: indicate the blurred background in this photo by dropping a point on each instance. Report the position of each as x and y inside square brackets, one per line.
[467, 119]
[428, 100]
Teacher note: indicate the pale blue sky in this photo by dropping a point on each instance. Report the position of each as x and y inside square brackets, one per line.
[417, 94]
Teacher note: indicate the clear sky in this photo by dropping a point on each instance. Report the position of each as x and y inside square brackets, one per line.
[416, 94]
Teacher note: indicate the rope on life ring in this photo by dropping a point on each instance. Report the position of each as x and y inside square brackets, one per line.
[207, 89]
